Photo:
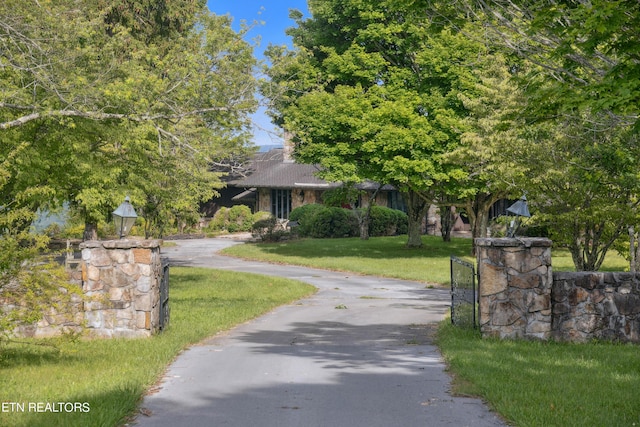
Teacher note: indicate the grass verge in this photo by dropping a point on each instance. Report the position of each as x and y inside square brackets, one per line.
[546, 384]
[111, 376]
[387, 256]
[379, 256]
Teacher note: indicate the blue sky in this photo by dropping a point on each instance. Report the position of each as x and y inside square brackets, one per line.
[274, 18]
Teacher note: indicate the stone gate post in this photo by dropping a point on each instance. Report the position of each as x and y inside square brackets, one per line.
[515, 287]
[122, 279]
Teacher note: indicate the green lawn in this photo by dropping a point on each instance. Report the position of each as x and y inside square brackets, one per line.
[379, 256]
[386, 256]
[111, 376]
[561, 261]
[546, 384]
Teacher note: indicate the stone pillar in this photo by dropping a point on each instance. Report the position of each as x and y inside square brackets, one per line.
[515, 287]
[122, 280]
[264, 199]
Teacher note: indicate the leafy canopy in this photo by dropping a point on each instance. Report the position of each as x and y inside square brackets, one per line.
[105, 99]
[99, 99]
[371, 91]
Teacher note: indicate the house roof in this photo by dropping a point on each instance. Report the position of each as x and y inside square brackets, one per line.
[272, 170]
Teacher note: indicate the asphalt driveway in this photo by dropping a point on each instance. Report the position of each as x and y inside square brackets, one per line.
[357, 353]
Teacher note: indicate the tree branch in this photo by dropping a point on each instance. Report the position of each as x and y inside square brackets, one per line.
[99, 116]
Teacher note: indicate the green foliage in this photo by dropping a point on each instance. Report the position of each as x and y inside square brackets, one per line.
[571, 111]
[134, 98]
[219, 220]
[332, 222]
[235, 219]
[346, 194]
[377, 96]
[426, 98]
[583, 184]
[261, 215]
[529, 227]
[106, 99]
[150, 19]
[387, 222]
[588, 51]
[304, 215]
[499, 226]
[491, 141]
[30, 284]
[533, 228]
[319, 221]
[75, 226]
[303, 212]
[269, 229]
[240, 218]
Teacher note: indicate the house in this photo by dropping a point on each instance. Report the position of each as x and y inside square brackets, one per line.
[275, 183]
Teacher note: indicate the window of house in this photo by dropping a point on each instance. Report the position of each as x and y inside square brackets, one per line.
[281, 203]
[395, 201]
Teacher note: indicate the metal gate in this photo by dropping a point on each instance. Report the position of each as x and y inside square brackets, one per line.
[463, 293]
[163, 321]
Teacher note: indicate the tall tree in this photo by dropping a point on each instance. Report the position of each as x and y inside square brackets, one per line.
[371, 92]
[491, 144]
[126, 81]
[583, 183]
[589, 50]
[76, 59]
[582, 86]
[103, 98]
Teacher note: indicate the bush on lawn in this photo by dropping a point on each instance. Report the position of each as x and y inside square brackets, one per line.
[235, 219]
[319, 221]
[269, 229]
[387, 222]
[303, 215]
[330, 222]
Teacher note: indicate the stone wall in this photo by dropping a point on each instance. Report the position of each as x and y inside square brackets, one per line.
[121, 284]
[122, 279]
[520, 296]
[515, 287]
[590, 305]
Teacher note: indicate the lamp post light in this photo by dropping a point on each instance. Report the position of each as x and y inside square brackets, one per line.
[520, 210]
[124, 217]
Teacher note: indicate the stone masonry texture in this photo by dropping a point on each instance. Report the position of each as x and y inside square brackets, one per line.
[515, 287]
[121, 284]
[521, 297]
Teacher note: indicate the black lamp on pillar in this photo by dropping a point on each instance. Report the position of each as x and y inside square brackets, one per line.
[521, 210]
[124, 217]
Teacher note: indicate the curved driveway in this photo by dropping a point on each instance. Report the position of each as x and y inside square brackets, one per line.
[355, 354]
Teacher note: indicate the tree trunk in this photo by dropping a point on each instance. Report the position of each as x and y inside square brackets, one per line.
[478, 212]
[482, 224]
[588, 247]
[90, 231]
[446, 222]
[417, 207]
[364, 220]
